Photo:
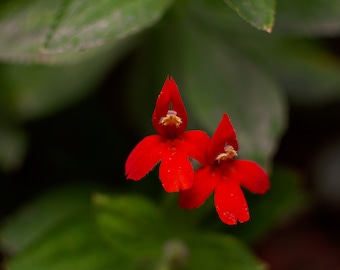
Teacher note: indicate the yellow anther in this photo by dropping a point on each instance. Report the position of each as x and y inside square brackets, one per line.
[171, 119]
[229, 153]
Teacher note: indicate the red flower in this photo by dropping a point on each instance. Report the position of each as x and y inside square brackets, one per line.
[224, 175]
[172, 146]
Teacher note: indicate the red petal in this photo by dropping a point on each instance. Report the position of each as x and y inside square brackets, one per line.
[169, 98]
[194, 143]
[205, 182]
[224, 134]
[175, 172]
[250, 175]
[230, 203]
[144, 157]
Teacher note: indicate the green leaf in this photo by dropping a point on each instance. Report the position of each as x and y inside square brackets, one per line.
[217, 251]
[130, 224]
[259, 13]
[13, 144]
[24, 25]
[43, 31]
[316, 17]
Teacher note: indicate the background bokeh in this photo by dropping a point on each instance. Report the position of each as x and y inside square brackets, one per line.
[78, 84]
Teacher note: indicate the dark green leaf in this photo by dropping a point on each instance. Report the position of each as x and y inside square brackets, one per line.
[259, 13]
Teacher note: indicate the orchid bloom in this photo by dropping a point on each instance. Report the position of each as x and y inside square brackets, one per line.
[172, 146]
[222, 174]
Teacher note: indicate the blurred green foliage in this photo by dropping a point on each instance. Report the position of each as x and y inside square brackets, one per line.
[82, 230]
[56, 54]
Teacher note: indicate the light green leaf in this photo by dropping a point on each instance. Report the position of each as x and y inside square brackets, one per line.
[43, 31]
[24, 26]
[259, 13]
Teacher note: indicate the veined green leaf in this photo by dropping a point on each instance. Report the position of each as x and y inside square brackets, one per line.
[42, 31]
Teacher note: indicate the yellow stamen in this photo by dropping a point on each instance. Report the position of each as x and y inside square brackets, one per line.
[171, 119]
[229, 153]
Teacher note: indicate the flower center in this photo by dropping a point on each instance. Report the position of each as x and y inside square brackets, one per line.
[229, 153]
[171, 119]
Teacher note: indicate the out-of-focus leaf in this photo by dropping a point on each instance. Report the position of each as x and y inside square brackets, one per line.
[13, 144]
[56, 232]
[216, 251]
[61, 231]
[259, 13]
[73, 245]
[284, 199]
[30, 91]
[214, 78]
[309, 74]
[43, 31]
[138, 228]
[221, 80]
[40, 217]
[316, 17]
[130, 224]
